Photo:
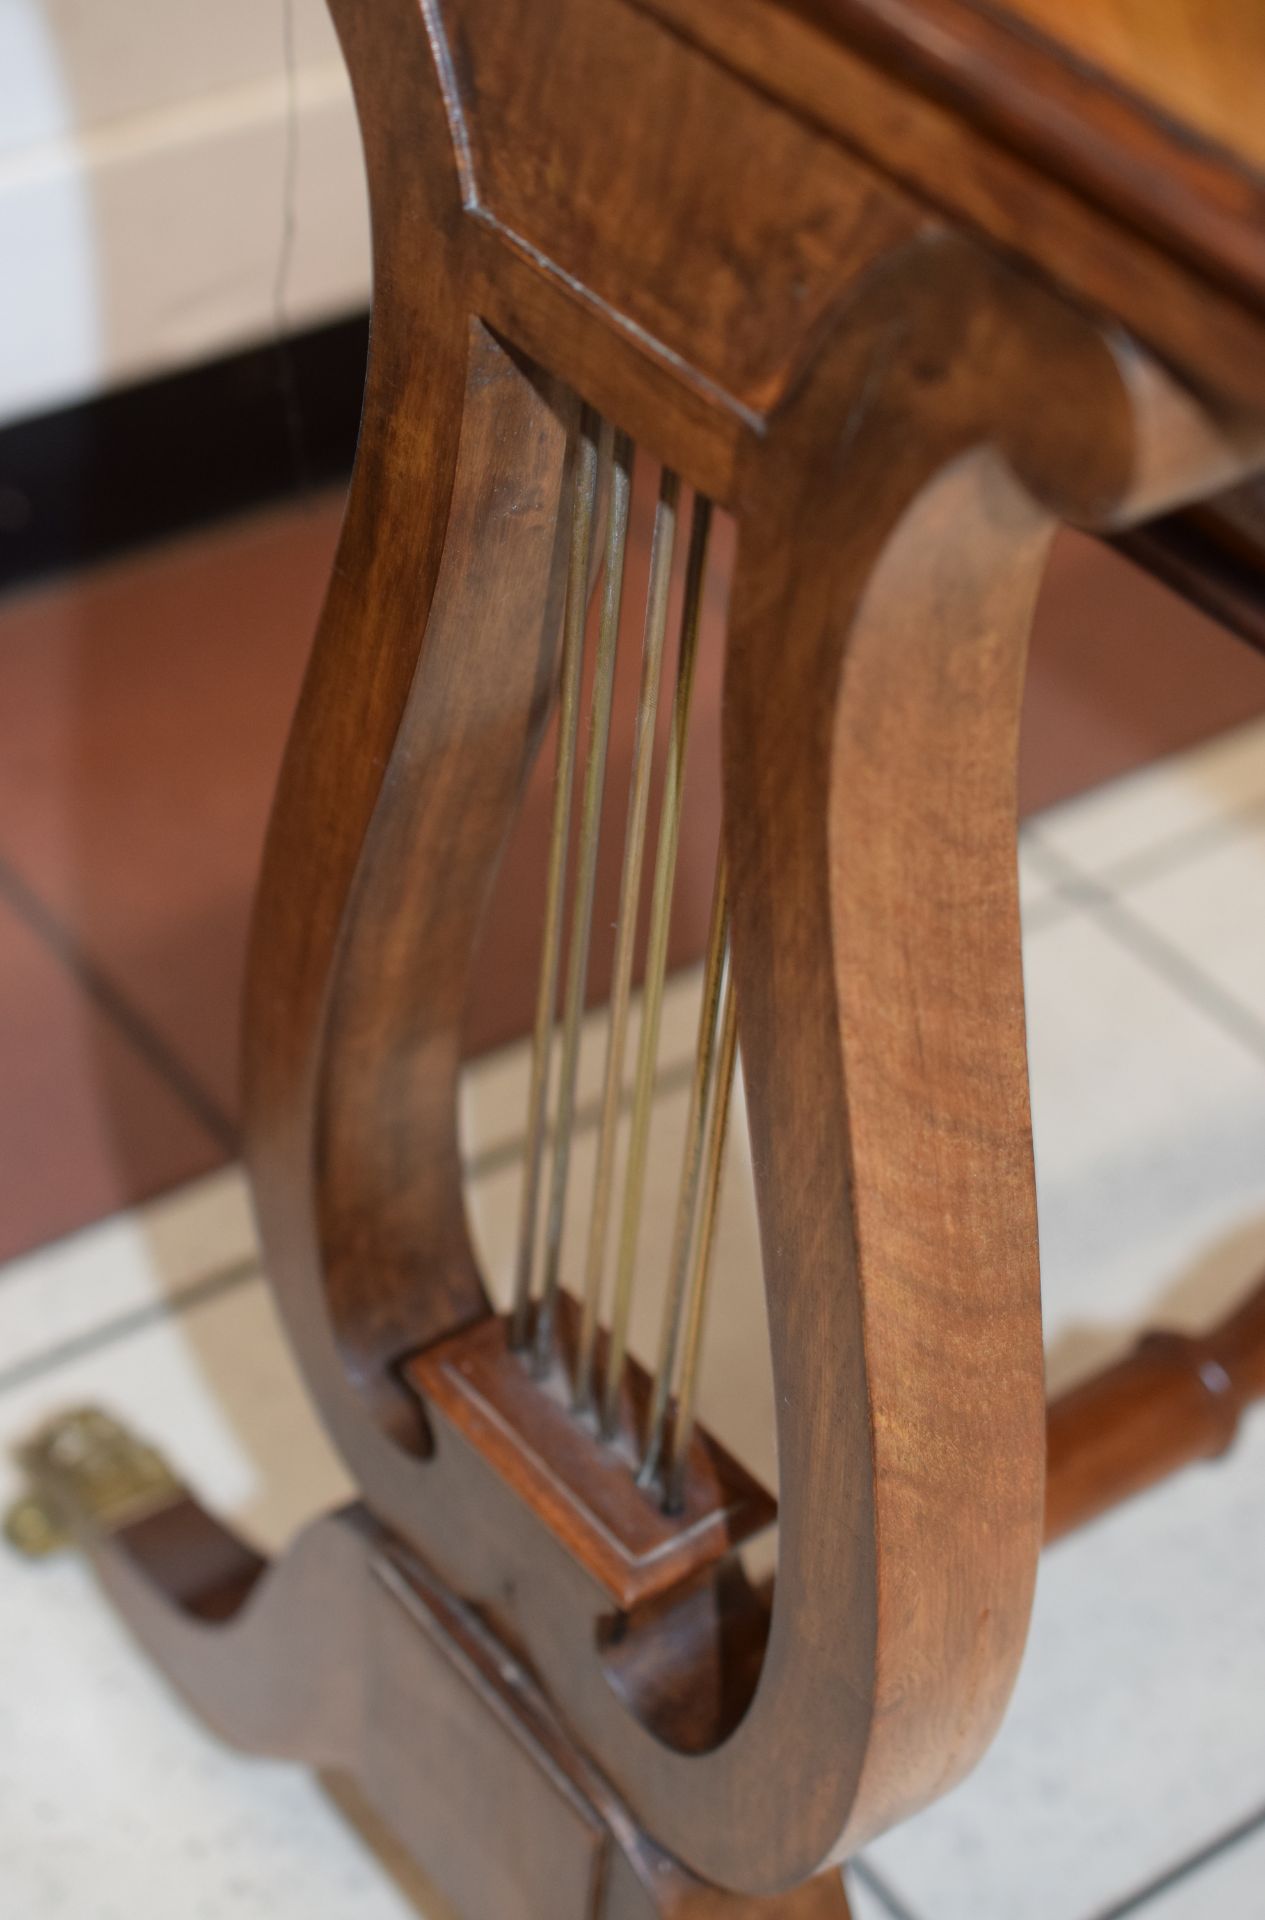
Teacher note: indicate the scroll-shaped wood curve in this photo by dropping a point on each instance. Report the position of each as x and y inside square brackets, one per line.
[875, 672]
[890, 548]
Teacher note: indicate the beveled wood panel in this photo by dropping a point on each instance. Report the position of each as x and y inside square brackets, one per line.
[1109, 201]
[742, 235]
[584, 1490]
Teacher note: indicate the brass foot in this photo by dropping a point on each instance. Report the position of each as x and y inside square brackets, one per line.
[87, 1474]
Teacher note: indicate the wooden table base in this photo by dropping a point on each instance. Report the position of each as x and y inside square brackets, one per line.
[349, 1656]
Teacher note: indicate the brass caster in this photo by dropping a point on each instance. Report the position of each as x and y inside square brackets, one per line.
[33, 1529]
[87, 1475]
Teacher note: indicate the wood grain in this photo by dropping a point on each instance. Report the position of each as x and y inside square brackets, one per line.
[889, 549]
[1175, 1399]
[1198, 61]
[415, 1701]
[1195, 293]
[584, 1490]
[1125, 111]
[895, 343]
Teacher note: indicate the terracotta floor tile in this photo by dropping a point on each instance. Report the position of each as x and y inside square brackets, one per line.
[86, 1124]
[1121, 671]
[142, 714]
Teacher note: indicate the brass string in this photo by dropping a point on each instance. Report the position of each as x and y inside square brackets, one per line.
[701, 1264]
[656, 965]
[603, 465]
[656, 626]
[585, 484]
[714, 976]
[586, 873]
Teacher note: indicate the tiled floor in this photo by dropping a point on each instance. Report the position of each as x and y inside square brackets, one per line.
[142, 713]
[1129, 1776]
[142, 710]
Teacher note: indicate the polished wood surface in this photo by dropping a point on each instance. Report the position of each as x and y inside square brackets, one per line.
[1168, 241]
[1198, 61]
[1117, 96]
[1175, 1399]
[1214, 554]
[349, 1656]
[900, 348]
[584, 1490]
[862, 1711]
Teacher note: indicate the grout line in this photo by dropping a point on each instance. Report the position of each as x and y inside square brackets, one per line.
[1166, 856]
[117, 1008]
[1158, 857]
[1173, 847]
[1056, 901]
[1054, 906]
[1119, 921]
[882, 1892]
[211, 1286]
[1173, 1876]
[223, 1280]
[1058, 870]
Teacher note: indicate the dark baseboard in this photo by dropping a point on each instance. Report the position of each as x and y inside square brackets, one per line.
[143, 462]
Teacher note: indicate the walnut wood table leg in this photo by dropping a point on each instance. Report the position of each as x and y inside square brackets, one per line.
[1175, 1399]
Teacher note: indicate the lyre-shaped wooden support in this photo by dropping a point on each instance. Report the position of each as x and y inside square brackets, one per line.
[896, 422]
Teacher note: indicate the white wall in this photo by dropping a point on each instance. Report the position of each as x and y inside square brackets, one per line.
[143, 160]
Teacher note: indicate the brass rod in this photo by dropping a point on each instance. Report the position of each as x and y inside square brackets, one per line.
[656, 964]
[586, 873]
[701, 1264]
[687, 1193]
[656, 626]
[585, 485]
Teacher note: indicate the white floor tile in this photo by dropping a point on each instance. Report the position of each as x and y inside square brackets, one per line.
[1134, 1735]
[494, 1087]
[864, 1904]
[1212, 911]
[216, 1390]
[1152, 1187]
[138, 1259]
[114, 1802]
[1164, 802]
[116, 1805]
[1149, 1125]
[1231, 1884]
[1039, 894]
